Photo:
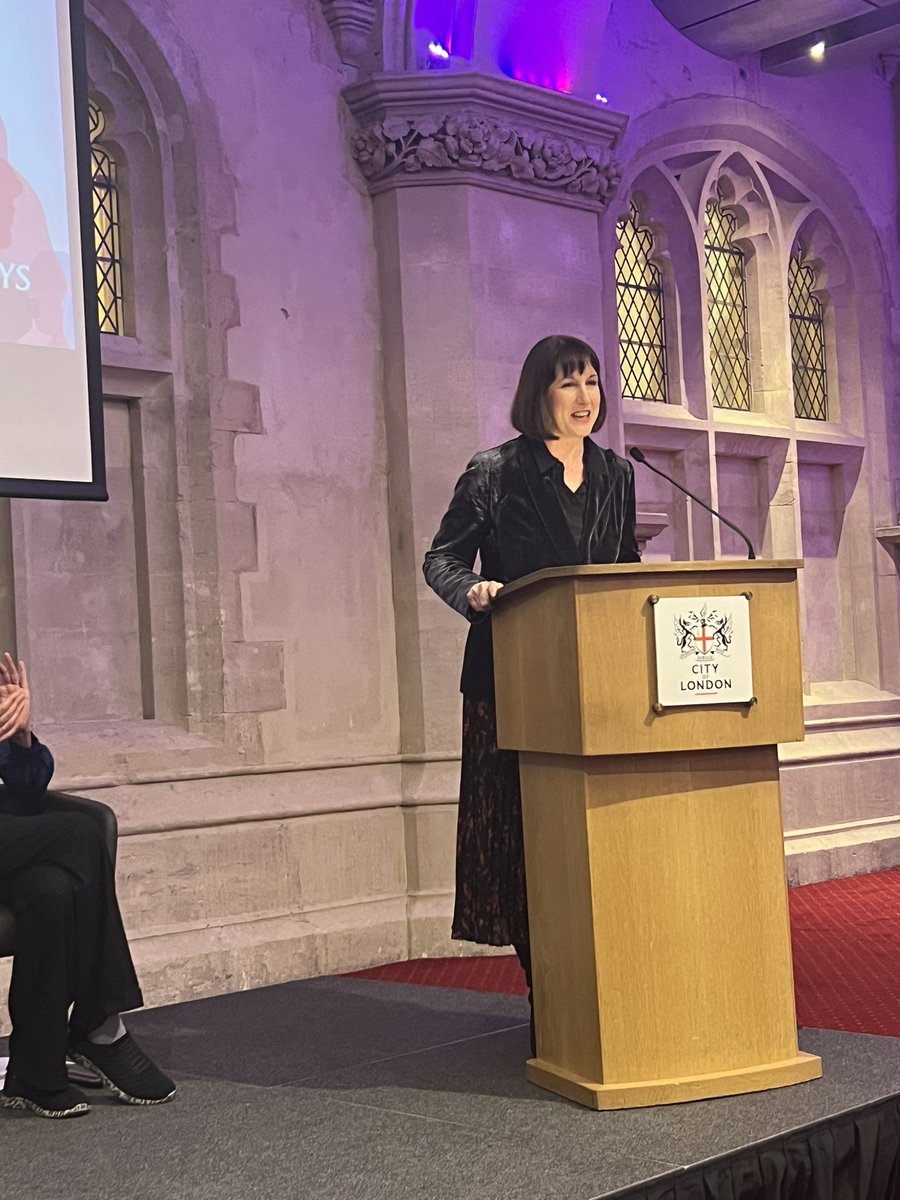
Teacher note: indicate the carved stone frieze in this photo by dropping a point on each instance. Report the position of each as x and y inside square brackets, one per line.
[470, 141]
[497, 133]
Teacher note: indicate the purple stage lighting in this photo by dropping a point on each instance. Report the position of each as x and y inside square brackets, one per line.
[450, 26]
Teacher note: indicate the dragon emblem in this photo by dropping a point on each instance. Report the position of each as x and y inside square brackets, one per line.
[703, 634]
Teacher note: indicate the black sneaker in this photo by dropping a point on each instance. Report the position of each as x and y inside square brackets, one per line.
[125, 1069]
[67, 1103]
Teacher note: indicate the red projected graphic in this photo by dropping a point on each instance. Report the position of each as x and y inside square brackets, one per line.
[32, 284]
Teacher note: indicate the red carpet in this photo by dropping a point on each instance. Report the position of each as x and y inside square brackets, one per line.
[847, 953]
[846, 958]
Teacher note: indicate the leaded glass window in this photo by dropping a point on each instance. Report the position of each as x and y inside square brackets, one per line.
[642, 326]
[807, 341]
[107, 229]
[726, 292]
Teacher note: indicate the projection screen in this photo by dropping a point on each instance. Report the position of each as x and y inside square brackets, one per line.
[51, 413]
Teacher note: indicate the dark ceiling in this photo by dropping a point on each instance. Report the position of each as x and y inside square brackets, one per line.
[855, 32]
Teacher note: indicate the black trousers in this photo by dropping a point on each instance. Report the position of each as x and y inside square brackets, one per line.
[70, 949]
[523, 953]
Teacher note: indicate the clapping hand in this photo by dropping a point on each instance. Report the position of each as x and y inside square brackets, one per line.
[15, 701]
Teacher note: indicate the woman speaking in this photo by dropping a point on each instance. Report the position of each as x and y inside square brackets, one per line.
[549, 498]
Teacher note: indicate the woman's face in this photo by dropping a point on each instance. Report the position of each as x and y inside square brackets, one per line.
[574, 402]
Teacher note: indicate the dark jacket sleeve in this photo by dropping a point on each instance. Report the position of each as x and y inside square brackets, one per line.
[449, 564]
[26, 773]
[628, 547]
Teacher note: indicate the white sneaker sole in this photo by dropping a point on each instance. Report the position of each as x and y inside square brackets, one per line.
[78, 1110]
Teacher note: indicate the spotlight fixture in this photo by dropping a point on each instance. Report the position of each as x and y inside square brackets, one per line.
[817, 49]
[601, 99]
[436, 50]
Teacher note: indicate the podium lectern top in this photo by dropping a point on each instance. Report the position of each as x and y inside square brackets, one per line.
[721, 566]
[575, 657]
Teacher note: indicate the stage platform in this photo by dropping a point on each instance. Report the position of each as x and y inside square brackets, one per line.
[348, 1089]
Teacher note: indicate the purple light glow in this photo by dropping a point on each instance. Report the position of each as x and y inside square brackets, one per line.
[558, 82]
[449, 24]
[552, 44]
[533, 44]
[436, 18]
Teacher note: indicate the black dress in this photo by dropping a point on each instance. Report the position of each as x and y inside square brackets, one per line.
[511, 508]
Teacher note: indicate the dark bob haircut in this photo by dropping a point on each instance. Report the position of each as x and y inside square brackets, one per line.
[530, 409]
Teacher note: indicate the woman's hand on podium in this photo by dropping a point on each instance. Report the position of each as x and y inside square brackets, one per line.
[481, 595]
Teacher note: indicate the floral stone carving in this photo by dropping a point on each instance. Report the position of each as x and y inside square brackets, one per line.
[470, 141]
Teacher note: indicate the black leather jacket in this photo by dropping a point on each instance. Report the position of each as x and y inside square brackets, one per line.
[505, 510]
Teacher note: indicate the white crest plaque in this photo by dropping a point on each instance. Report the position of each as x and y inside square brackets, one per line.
[703, 650]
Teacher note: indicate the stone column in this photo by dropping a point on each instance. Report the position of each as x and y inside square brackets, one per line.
[486, 196]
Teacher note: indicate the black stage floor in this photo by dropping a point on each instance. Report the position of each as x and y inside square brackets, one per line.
[347, 1089]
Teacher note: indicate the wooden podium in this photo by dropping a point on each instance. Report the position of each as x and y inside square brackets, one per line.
[653, 839]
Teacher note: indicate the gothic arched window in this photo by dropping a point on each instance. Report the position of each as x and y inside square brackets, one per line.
[726, 292]
[107, 229]
[639, 301]
[807, 317]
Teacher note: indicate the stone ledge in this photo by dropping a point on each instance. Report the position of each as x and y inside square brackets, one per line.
[247, 798]
[452, 128]
[855, 743]
[837, 851]
[556, 112]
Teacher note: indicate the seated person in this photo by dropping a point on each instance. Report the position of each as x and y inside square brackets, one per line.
[57, 876]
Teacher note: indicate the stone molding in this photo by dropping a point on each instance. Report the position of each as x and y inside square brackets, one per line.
[439, 128]
[350, 22]
[648, 526]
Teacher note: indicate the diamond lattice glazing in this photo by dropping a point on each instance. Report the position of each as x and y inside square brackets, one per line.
[726, 294]
[642, 326]
[107, 230]
[807, 318]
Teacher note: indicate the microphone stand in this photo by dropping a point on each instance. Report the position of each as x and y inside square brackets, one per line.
[638, 455]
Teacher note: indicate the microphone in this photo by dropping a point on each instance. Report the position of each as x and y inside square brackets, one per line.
[638, 455]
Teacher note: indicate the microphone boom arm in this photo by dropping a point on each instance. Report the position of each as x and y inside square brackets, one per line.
[638, 455]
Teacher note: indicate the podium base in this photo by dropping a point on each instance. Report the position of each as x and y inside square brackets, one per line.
[647, 1093]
